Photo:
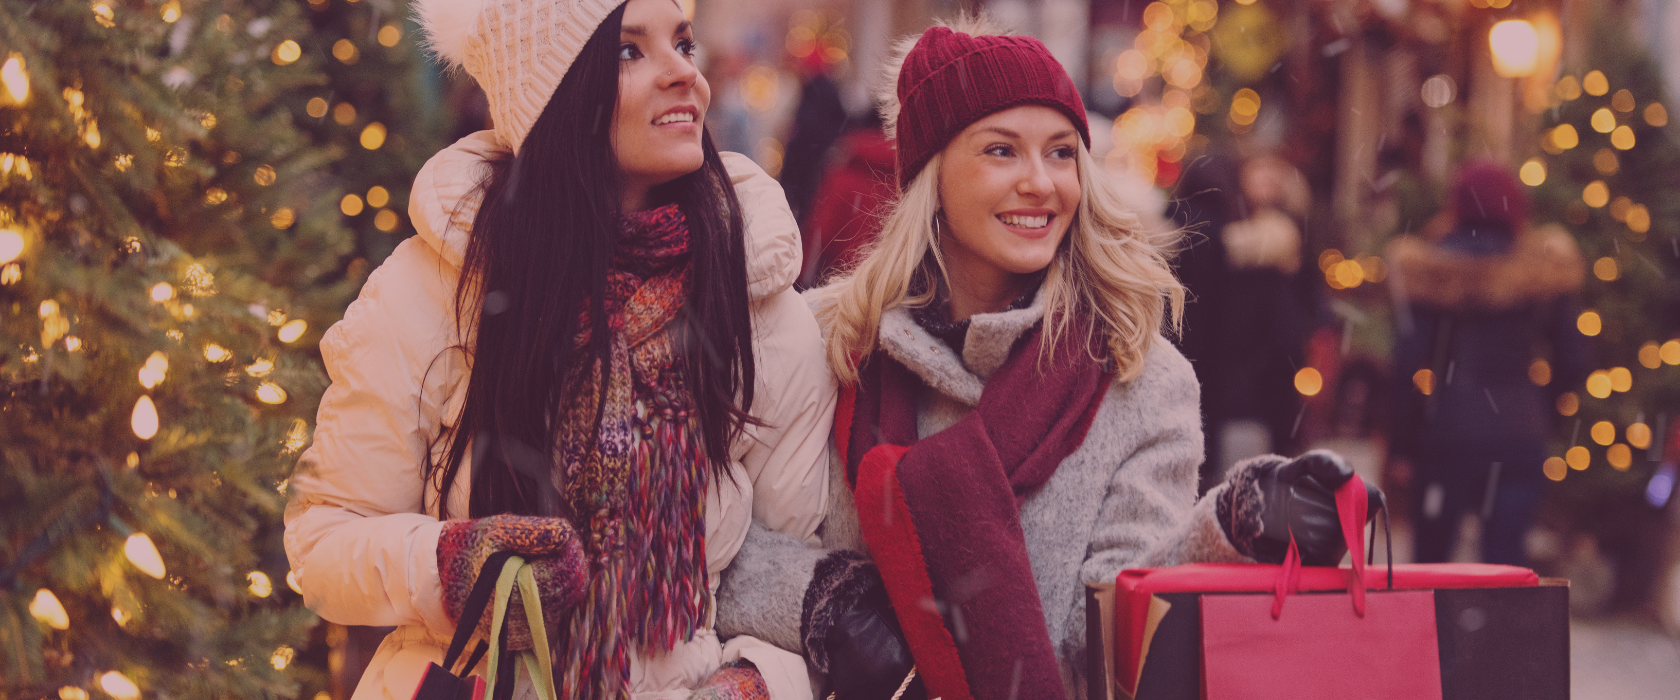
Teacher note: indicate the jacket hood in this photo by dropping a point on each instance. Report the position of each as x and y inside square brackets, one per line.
[1540, 265]
[448, 189]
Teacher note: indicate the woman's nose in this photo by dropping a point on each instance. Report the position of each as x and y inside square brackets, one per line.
[678, 71]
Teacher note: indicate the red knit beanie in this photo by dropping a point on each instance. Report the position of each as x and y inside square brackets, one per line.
[950, 80]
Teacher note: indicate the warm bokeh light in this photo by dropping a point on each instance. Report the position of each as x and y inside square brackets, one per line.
[1568, 88]
[344, 113]
[1621, 380]
[1589, 323]
[1656, 114]
[1578, 458]
[1596, 194]
[1650, 355]
[1638, 218]
[316, 108]
[144, 555]
[216, 353]
[373, 136]
[1424, 380]
[286, 52]
[119, 686]
[351, 205]
[293, 330]
[49, 611]
[292, 582]
[1603, 121]
[1568, 403]
[378, 196]
[15, 78]
[1619, 456]
[1603, 432]
[1598, 384]
[1639, 435]
[171, 11]
[386, 220]
[1605, 269]
[1555, 468]
[1670, 352]
[1540, 372]
[71, 692]
[144, 419]
[283, 218]
[260, 368]
[1565, 137]
[1622, 137]
[162, 292]
[155, 370]
[1533, 172]
[1308, 381]
[345, 51]
[389, 35]
[282, 658]
[1516, 48]
[1595, 83]
[120, 616]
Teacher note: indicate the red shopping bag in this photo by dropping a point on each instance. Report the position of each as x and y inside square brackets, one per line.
[1322, 646]
[1500, 631]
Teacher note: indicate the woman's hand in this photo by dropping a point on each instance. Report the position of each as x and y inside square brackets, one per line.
[551, 546]
[851, 633]
[1268, 498]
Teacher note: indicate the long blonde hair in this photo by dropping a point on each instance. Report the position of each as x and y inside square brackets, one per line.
[1111, 270]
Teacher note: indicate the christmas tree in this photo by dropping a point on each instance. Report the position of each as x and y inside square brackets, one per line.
[1607, 172]
[176, 228]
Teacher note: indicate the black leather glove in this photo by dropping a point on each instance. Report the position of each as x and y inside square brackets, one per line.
[868, 658]
[1270, 497]
[851, 633]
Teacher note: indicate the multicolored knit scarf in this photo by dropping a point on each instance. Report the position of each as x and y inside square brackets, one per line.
[942, 514]
[635, 481]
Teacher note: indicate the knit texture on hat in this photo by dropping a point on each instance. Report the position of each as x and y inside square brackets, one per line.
[951, 79]
[517, 50]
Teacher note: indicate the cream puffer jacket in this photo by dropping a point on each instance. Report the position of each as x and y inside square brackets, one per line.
[362, 527]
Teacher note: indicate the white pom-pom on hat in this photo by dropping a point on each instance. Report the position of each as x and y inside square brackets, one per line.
[447, 24]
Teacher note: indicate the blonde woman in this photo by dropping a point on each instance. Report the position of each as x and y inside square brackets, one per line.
[1012, 426]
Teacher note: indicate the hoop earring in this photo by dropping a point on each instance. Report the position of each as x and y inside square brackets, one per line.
[936, 227]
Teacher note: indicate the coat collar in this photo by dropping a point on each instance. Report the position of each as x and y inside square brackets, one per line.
[990, 339]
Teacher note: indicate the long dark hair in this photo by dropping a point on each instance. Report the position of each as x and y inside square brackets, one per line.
[539, 253]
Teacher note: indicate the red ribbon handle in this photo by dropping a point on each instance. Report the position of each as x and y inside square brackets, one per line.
[1352, 504]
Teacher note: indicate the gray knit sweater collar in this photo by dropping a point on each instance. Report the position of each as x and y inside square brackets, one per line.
[959, 377]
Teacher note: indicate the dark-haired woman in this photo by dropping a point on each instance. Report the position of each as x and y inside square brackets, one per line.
[590, 355]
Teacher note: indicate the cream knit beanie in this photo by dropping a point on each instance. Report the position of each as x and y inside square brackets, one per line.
[517, 50]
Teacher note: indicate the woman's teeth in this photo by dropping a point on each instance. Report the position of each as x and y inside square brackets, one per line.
[673, 118]
[1039, 221]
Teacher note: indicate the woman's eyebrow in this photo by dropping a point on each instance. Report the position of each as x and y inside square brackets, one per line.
[639, 30]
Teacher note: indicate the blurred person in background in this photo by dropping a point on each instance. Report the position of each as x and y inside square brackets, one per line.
[817, 122]
[1473, 305]
[850, 203]
[1266, 313]
[1204, 202]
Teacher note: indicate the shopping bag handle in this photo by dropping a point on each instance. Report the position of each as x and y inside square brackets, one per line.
[477, 600]
[516, 571]
[1352, 506]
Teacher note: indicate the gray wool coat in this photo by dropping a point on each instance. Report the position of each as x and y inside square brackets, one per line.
[1126, 498]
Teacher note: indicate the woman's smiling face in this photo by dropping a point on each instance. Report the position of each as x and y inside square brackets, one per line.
[662, 97]
[1008, 187]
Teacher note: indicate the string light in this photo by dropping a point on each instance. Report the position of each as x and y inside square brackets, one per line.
[1619, 457]
[144, 420]
[1533, 172]
[1515, 47]
[261, 586]
[1603, 121]
[283, 218]
[345, 52]
[1605, 269]
[1595, 83]
[171, 11]
[1622, 138]
[1598, 384]
[260, 368]
[351, 204]
[1621, 380]
[121, 616]
[49, 611]
[1596, 194]
[386, 220]
[162, 292]
[119, 686]
[286, 53]
[155, 369]
[373, 136]
[389, 35]
[11, 245]
[15, 78]
[1670, 352]
[293, 330]
[271, 393]
[71, 692]
[144, 555]
[1589, 323]
[282, 658]
[1603, 432]
[378, 197]
[1555, 468]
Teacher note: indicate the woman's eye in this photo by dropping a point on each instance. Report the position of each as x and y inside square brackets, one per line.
[1063, 153]
[1000, 151]
[687, 47]
[628, 52]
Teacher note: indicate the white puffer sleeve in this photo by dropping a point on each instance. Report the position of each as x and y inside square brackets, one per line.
[357, 532]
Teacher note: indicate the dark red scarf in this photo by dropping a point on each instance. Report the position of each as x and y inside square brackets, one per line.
[942, 515]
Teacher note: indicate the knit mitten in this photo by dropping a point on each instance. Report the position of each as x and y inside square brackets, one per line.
[737, 680]
[550, 545]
